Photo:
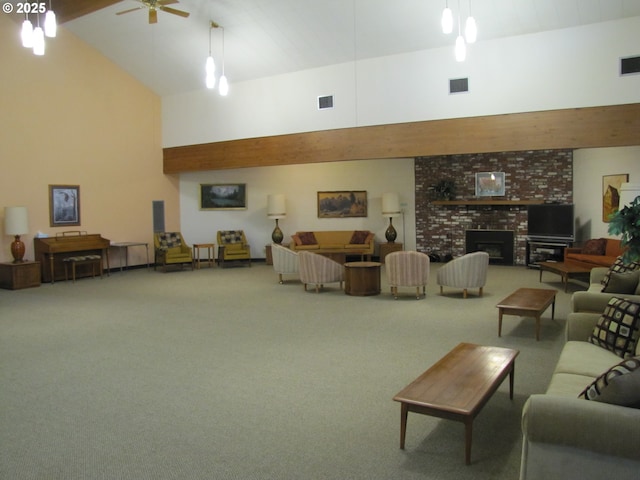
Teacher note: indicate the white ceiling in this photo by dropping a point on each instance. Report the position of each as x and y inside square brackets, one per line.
[270, 37]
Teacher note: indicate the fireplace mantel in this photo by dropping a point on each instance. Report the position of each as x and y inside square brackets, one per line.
[487, 202]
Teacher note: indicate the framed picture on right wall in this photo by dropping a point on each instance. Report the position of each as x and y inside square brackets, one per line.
[611, 194]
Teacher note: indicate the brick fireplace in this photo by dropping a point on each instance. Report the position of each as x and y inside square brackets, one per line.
[542, 175]
[497, 243]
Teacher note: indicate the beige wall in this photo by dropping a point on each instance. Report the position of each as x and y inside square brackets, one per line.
[73, 117]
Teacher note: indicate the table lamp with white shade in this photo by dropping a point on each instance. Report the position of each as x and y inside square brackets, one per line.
[16, 222]
[276, 209]
[390, 208]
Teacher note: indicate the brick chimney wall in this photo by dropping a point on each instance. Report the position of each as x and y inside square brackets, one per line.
[545, 175]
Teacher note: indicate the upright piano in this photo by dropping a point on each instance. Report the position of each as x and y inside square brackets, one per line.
[51, 251]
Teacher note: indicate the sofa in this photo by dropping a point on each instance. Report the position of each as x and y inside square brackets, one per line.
[568, 437]
[594, 299]
[335, 243]
[600, 252]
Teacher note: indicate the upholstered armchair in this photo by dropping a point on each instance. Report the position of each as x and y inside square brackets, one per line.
[171, 249]
[467, 271]
[233, 246]
[407, 269]
[317, 270]
[285, 260]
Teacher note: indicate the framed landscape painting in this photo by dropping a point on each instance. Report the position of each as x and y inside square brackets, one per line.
[490, 184]
[611, 194]
[223, 196]
[342, 204]
[64, 205]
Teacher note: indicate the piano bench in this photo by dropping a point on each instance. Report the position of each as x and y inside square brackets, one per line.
[93, 260]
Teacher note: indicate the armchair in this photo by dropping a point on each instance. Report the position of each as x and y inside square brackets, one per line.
[467, 271]
[407, 269]
[233, 246]
[318, 269]
[171, 249]
[285, 260]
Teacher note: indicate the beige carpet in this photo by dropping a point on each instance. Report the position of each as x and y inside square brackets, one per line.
[225, 374]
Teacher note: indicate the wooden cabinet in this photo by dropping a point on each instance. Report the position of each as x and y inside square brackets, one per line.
[387, 248]
[14, 276]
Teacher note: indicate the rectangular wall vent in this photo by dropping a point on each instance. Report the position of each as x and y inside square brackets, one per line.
[630, 65]
[458, 85]
[325, 101]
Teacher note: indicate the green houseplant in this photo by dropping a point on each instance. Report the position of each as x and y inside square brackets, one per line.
[626, 222]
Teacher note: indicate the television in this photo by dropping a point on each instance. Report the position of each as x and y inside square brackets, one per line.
[550, 220]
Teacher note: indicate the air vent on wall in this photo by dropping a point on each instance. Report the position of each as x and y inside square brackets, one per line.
[325, 101]
[458, 85]
[630, 65]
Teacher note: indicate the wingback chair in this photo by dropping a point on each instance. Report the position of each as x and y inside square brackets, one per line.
[407, 269]
[285, 260]
[467, 271]
[171, 249]
[233, 246]
[317, 270]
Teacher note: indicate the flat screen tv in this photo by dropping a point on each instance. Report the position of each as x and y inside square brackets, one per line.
[550, 220]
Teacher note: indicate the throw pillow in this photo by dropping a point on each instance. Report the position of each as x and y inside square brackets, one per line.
[623, 283]
[307, 238]
[618, 328]
[359, 236]
[620, 267]
[596, 246]
[620, 385]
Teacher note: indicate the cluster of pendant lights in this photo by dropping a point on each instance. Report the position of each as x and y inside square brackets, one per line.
[470, 30]
[210, 66]
[34, 37]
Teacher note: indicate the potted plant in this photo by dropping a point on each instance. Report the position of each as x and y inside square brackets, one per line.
[445, 190]
[626, 222]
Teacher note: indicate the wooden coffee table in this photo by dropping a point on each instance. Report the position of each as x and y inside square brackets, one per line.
[565, 270]
[527, 302]
[362, 278]
[458, 386]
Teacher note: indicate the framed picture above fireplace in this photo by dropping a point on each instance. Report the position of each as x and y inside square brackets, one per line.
[490, 184]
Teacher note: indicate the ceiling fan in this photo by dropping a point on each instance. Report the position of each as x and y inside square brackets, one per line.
[153, 6]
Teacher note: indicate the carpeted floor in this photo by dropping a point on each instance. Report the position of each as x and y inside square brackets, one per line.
[225, 374]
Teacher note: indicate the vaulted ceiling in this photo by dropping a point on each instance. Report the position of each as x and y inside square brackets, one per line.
[271, 37]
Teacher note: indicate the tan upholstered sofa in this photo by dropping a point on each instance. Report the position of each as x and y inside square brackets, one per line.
[354, 242]
[572, 438]
[594, 299]
[601, 252]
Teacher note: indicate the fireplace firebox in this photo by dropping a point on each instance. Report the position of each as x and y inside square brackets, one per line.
[499, 244]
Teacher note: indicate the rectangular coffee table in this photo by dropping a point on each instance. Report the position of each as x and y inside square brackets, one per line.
[565, 270]
[458, 386]
[527, 302]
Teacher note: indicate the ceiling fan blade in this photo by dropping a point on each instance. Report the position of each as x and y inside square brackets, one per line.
[166, 2]
[153, 15]
[130, 10]
[174, 11]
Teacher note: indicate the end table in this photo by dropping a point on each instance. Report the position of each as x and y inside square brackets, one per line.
[387, 248]
[14, 276]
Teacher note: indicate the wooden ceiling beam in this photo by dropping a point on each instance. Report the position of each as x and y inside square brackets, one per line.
[609, 126]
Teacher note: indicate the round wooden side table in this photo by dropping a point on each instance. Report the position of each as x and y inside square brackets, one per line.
[362, 278]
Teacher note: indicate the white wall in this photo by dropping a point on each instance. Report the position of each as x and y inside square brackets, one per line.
[589, 166]
[300, 184]
[568, 68]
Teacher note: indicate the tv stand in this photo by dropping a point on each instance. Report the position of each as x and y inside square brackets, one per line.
[545, 249]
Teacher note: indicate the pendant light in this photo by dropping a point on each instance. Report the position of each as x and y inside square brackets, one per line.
[50, 25]
[210, 65]
[38, 39]
[224, 83]
[447, 19]
[461, 47]
[470, 29]
[27, 33]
